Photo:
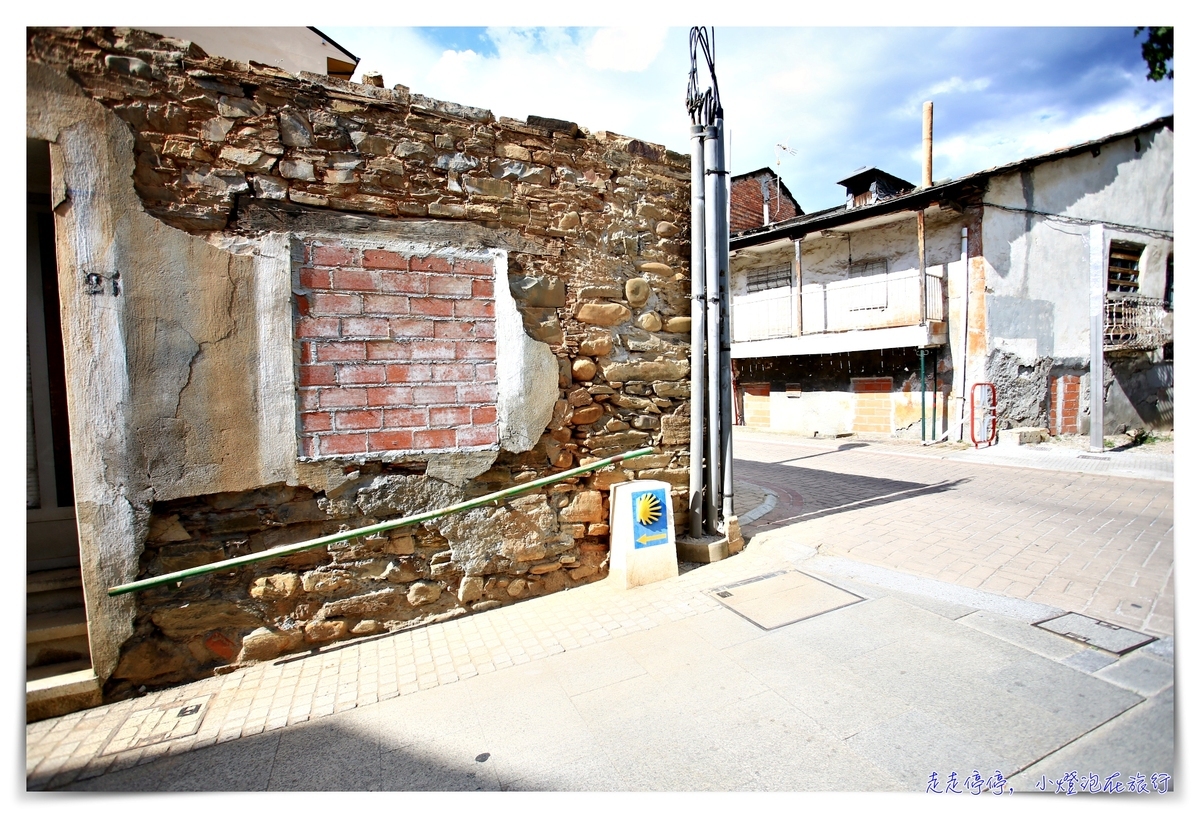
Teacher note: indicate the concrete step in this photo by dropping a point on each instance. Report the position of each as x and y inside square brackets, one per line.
[55, 590]
[53, 580]
[53, 625]
[59, 599]
[61, 693]
[37, 674]
[55, 637]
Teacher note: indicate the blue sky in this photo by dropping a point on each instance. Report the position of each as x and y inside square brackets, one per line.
[840, 97]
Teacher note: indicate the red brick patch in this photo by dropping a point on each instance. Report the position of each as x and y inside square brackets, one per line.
[396, 352]
[360, 280]
[332, 255]
[384, 260]
[434, 439]
[1064, 404]
[862, 385]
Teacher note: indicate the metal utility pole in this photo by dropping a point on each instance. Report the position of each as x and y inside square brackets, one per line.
[696, 460]
[1099, 289]
[712, 376]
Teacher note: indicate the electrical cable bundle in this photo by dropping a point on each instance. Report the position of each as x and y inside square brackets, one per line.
[704, 108]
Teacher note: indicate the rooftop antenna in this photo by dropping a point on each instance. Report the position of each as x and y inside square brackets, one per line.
[780, 146]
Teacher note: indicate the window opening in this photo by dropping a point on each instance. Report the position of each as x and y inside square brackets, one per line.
[1123, 271]
[868, 267]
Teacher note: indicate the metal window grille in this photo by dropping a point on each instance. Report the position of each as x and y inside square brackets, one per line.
[770, 278]
[868, 267]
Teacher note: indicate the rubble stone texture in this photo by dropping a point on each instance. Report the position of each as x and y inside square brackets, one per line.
[595, 226]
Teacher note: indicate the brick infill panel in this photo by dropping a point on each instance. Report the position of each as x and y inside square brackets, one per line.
[396, 352]
[861, 385]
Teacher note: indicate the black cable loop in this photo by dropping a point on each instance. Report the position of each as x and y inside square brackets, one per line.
[704, 108]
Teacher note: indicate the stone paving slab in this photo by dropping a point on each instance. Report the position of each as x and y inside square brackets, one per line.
[1140, 740]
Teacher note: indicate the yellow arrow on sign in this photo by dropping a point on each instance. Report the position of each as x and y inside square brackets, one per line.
[645, 538]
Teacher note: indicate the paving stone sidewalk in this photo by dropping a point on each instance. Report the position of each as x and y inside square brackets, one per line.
[1099, 544]
[659, 688]
[664, 688]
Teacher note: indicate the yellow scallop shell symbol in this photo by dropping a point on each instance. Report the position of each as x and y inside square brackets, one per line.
[648, 509]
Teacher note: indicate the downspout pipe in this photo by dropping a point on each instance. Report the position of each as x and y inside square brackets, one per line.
[922, 353]
[712, 266]
[696, 450]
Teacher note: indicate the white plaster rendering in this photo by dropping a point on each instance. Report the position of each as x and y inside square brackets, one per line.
[527, 371]
[292, 48]
[812, 413]
[929, 335]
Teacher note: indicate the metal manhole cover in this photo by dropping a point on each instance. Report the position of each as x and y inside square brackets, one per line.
[164, 723]
[781, 598]
[1095, 632]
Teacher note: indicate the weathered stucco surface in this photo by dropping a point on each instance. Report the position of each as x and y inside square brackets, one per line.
[1038, 282]
[154, 367]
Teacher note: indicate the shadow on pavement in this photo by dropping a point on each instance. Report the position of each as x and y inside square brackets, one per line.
[822, 493]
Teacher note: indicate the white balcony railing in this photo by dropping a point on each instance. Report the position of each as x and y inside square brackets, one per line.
[865, 302]
[1135, 322]
[765, 314]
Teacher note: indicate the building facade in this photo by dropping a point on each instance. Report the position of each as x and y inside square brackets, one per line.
[829, 327]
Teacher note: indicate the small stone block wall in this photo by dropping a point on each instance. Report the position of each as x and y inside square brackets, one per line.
[397, 352]
[872, 404]
[756, 405]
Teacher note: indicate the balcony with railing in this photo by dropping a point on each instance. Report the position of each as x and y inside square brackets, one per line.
[1133, 322]
[863, 312]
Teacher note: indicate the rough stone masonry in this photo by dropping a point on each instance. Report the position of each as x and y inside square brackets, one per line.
[341, 303]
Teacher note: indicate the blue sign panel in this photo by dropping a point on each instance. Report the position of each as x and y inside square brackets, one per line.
[649, 518]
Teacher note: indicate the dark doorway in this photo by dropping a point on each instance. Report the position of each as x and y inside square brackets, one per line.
[52, 539]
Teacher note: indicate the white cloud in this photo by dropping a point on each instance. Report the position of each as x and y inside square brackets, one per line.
[956, 85]
[1035, 132]
[457, 67]
[841, 98]
[625, 49]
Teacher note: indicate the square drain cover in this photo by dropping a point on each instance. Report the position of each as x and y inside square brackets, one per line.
[781, 598]
[163, 723]
[1094, 632]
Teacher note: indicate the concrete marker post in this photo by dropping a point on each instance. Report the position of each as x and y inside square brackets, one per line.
[642, 526]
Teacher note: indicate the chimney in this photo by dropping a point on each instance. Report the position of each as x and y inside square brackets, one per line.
[927, 145]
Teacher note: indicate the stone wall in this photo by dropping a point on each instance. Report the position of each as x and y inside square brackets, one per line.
[581, 233]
